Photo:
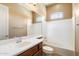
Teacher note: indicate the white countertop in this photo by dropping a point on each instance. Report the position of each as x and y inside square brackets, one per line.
[11, 48]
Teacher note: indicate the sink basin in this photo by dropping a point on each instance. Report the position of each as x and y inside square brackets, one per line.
[23, 44]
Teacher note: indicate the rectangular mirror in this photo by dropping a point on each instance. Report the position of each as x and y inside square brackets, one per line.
[13, 20]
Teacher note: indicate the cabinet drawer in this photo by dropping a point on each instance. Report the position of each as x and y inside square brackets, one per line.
[30, 52]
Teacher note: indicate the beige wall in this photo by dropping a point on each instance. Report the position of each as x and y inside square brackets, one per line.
[18, 17]
[65, 7]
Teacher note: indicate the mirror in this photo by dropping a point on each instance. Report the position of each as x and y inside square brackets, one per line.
[19, 21]
[13, 23]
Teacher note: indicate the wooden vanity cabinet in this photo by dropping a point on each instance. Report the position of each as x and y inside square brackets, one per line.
[39, 53]
[34, 51]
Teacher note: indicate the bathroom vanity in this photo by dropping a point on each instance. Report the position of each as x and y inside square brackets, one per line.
[34, 51]
[29, 46]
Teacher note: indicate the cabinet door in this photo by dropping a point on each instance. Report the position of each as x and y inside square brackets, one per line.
[39, 53]
[3, 22]
[30, 51]
[77, 36]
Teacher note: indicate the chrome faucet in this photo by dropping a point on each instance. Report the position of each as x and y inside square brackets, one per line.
[18, 39]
